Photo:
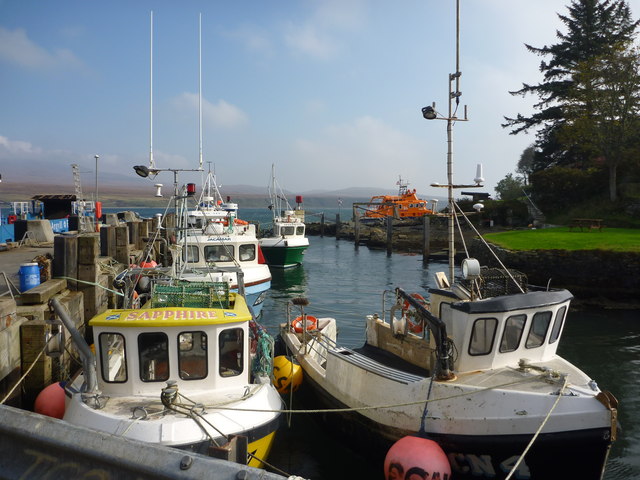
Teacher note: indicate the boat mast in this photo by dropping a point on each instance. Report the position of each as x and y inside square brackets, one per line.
[452, 94]
[430, 113]
[200, 89]
[151, 162]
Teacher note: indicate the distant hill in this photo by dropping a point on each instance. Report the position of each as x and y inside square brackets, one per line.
[140, 192]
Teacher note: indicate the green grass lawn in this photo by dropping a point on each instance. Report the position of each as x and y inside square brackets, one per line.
[560, 238]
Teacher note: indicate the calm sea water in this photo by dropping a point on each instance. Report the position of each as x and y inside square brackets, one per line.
[347, 283]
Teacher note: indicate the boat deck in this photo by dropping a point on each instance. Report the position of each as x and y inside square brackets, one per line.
[383, 363]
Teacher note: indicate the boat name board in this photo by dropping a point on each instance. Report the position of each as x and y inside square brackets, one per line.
[166, 317]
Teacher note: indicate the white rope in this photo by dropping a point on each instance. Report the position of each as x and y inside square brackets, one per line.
[28, 371]
[535, 436]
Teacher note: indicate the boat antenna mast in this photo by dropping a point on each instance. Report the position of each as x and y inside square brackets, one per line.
[151, 161]
[200, 90]
[429, 113]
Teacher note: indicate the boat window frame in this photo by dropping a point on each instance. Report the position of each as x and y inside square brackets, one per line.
[164, 359]
[216, 249]
[241, 249]
[287, 230]
[187, 254]
[473, 332]
[227, 368]
[534, 322]
[558, 323]
[300, 230]
[106, 351]
[203, 343]
[506, 331]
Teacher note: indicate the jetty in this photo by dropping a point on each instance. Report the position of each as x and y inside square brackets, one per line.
[77, 269]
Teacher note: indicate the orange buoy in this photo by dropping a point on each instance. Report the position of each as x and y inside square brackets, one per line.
[50, 401]
[416, 456]
[310, 322]
[150, 264]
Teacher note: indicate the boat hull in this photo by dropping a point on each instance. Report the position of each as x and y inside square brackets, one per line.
[575, 454]
[282, 256]
[260, 441]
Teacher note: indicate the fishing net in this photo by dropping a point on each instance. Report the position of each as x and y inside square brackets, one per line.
[494, 282]
[191, 294]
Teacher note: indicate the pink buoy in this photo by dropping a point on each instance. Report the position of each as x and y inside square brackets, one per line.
[50, 401]
[415, 458]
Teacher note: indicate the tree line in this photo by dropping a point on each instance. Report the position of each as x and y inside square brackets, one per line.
[587, 115]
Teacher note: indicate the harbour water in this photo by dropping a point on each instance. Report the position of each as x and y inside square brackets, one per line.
[347, 283]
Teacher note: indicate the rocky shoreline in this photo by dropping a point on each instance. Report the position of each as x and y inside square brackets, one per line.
[597, 279]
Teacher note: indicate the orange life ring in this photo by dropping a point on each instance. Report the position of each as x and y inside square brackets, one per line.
[412, 325]
[311, 323]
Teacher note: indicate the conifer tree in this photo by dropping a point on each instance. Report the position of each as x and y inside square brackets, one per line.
[595, 29]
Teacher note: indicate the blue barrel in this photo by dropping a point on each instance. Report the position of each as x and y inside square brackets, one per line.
[29, 276]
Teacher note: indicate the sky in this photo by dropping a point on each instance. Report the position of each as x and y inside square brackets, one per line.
[330, 91]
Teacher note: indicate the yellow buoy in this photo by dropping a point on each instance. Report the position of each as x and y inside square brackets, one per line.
[287, 374]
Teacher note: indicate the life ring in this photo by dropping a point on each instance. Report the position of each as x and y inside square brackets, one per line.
[12, 219]
[311, 323]
[414, 325]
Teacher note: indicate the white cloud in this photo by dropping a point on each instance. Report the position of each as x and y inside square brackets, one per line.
[221, 114]
[253, 38]
[365, 150]
[308, 39]
[319, 35]
[17, 48]
[16, 148]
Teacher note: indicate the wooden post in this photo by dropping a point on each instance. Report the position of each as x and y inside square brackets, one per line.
[65, 258]
[389, 235]
[122, 244]
[337, 226]
[356, 226]
[33, 336]
[426, 239]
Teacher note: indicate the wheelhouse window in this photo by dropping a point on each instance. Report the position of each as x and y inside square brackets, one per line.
[482, 336]
[153, 349]
[513, 328]
[538, 330]
[218, 253]
[247, 253]
[300, 230]
[112, 357]
[230, 346]
[287, 230]
[192, 355]
[191, 254]
[557, 325]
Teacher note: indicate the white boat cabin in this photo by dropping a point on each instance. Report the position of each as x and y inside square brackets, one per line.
[499, 332]
[138, 351]
[289, 225]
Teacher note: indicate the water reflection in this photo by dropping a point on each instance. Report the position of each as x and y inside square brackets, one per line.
[347, 283]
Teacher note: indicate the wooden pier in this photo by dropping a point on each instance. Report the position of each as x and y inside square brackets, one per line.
[76, 268]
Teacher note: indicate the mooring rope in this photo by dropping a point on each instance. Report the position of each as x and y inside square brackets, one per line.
[394, 405]
[535, 436]
[33, 364]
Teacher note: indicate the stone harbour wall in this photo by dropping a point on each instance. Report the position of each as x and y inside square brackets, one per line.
[594, 277]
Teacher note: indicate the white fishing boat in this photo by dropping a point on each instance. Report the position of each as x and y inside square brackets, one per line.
[178, 372]
[216, 245]
[285, 244]
[471, 364]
